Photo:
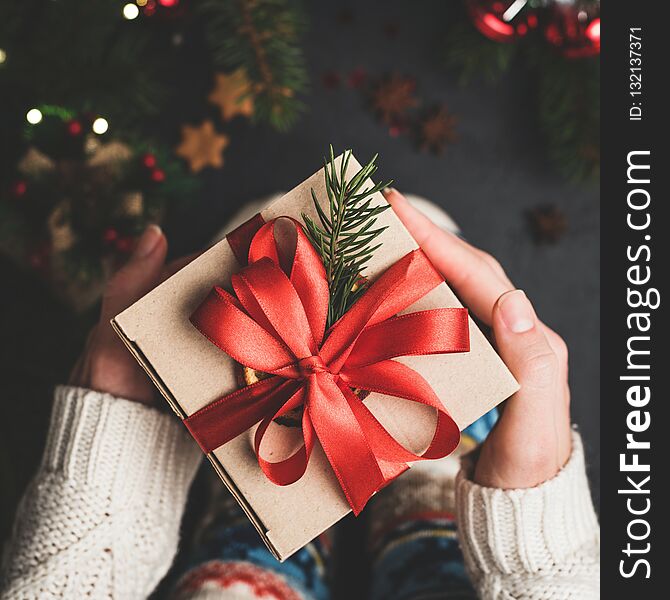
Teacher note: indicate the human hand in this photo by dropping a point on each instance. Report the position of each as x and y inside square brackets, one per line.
[106, 365]
[531, 441]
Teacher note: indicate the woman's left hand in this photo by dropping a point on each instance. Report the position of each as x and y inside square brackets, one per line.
[106, 365]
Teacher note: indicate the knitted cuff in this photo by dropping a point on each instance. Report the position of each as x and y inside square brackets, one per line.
[125, 450]
[514, 531]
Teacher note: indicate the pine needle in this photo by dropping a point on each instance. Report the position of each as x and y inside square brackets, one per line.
[344, 235]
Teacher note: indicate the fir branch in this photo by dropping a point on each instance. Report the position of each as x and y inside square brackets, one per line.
[261, 36]
[344, 239]
[83, 55]
[568, 92]
[568, 96]
[474, 57]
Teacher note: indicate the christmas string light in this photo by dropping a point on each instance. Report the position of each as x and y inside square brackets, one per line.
[100, 126]
[130, 11]
[34, 116]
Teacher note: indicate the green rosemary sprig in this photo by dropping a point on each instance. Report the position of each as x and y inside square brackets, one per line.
[344, 239]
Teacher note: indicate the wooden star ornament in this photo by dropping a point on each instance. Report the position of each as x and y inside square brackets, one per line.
[232, 94]
[202, 146]
[393, 97]
[548, 223]
[437, 129]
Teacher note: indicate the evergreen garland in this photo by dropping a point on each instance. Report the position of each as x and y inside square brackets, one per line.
[83, 55]
[86, 56]
[77, 201]
[568, 95]
[79, 60]
[474, 56]
[261, 36]
[568, 92]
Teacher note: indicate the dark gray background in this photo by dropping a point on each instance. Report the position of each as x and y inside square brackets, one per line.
[486, 181]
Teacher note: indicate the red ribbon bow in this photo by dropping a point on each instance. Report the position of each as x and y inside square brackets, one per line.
[275, 323]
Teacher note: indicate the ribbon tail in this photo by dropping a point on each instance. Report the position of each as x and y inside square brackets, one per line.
[229, 416]
[395, 379]
[344, 443]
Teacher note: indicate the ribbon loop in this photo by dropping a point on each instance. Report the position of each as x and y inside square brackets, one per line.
[276, 323]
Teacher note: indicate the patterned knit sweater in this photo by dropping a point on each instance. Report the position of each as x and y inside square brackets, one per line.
[101, 518]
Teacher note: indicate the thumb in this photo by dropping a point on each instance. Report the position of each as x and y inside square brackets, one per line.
[532, 439]
[139, 275]
[524, 348]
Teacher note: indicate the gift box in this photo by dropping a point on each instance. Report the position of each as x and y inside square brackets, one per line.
[173, 333]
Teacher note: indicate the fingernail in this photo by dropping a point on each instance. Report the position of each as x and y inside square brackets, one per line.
[148, 241]
[517, 312]
[391, 192]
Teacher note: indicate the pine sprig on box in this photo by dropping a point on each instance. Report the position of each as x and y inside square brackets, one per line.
[345, 236]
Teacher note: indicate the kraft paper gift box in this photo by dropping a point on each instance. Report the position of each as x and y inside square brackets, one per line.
[191, 373]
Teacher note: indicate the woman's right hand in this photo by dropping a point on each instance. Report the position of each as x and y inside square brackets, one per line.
[531, 441]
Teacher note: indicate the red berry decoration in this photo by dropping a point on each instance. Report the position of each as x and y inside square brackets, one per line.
[164, 9]
[574, 28]
[158, 175]
[39, 257]
[110, 235]
[19, 188]
[125, 244]
[357, 78]
[74, 128]
[502, 21]
[149, 161]
[398, 126]
[149, 8]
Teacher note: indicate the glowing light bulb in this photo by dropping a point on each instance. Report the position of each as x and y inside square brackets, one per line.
[34, 116]
[130, 11]
[100, 126]
[3, 56]
[141, 2]
[593, 31]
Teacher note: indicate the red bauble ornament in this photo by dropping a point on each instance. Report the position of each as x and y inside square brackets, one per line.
[19, 188]
[502, 21]
[574, 28]
[149, 161]
[158, 175]
[74, 128]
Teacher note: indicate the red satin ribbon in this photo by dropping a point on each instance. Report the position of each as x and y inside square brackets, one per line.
[275, 323]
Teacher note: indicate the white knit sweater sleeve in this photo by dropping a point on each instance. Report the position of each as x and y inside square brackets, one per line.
[101, 517]
[529, 544]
